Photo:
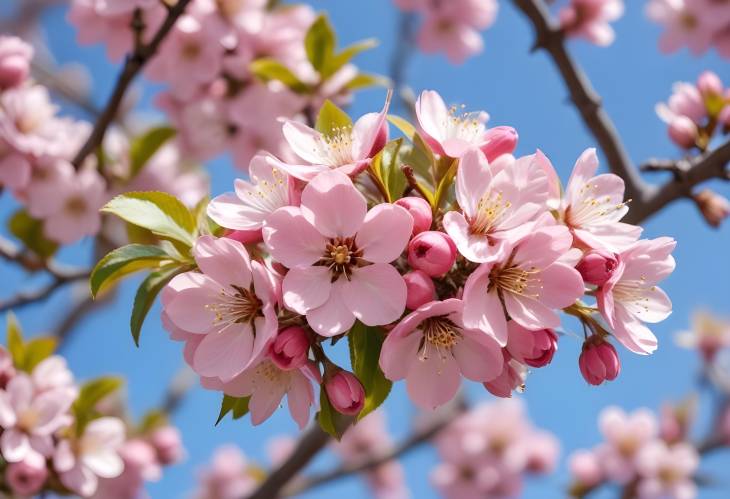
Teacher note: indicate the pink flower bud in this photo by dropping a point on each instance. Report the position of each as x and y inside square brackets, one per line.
[585, 468]
[597, 266]
[714, 207]
[709, 85]
[420, 210]
[15, 56]
[683, 132]
[290, 349]
[345, 393]
[543, 349]
[420, 289]
[432, 252]
[245, 236]
[599, 361]
[168, 445]
[26, 478]
[511, 378]
[499, 140]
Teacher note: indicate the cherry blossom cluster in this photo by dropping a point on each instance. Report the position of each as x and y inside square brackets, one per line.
[213, 97]
[696, 24]
[462, 281]
[37, 147]
[488, 451]
[641, 453]
[52, 442]
[709, 335]
[453, 27]
[697, 112]
[590, 19]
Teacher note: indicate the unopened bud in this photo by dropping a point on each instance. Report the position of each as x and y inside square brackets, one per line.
[290, 349]
[499, 140]
[597, 266]
[345, 393]
[420, 210]
[432, 252]
[599, 361]
[714, 207]
[683, 132]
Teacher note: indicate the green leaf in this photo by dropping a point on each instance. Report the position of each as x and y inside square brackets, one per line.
[336, 62]
[267, 69]
[332, 422]
[320, 43]
[91, 393]
[446, 181]
[14, 337]
[37, 350]
[237, 405]
[403, 125]
[386, 166]
[146, 145]
[148, 291]
[161, 213]
[123, 261]
[30, 232]
[152, 420]
[365, 80]
[365, 344]
[331, 120]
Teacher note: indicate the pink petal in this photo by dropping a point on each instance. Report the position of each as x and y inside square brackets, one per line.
[366, 129]
[7, 414]
[63, 458]
[14, 445]
[585, 168]
[333, 317]
[375, 294]
[80, 480]
[332, 204]
[655, 306]
[561, 286]
[474, 247]
[432, 113]
[478, 360]
[228, 211]
[225, 353]
[433, 381]
[384, 233]
[291, 239]
[187, 308]
[398, 353]
[223, 259]
[302, 172]
[306, 288]
[530, 313]
[300, 398]
[482, 309]
[472, 181]
[304, 141]
[633, 334]
[50, 408]
[265, 399]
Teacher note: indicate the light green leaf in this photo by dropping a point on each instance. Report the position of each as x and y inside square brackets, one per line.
[37, 350]
[30, 232]
[123, 261]
[365, 344]
[332, 120]
[152, 420]
[147, 292]
[267, 69]
[161, 213]
[320, 43]
[386, 166]
[445, 184]
[237, 405]
[336, 62]
[403, 125]
[146, 145]
[332, 422]
[16, 346]
[365, 80]
[91, 393]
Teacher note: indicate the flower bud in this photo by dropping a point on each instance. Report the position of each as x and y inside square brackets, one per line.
[499, 140]
[168, 445]
[420, 289]
[245, 236]
[714, 207]
[683, 132]
[345, 393]
[534, 348]
[599, 361]
[26, 478]
[512, 377]
[15, 56]
[432, 252]
[586, 468]
[420, 210]
[709, 85]
[290, 349]
[597, 266]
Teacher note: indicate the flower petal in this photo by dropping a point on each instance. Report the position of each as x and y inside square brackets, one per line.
[291, 239]
[478, 360]
[224, 260]
[225, 353]
[333, 205]
[306, 288]
[333, 317]
[384, 233]
[376, 294]
[398, 353]
[433, 381]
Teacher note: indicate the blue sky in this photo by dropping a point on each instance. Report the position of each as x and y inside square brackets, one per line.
[518, 89]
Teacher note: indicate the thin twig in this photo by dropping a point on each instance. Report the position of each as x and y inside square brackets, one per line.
[179, 387]
[49, 77]
[25, 298]
[133, 64]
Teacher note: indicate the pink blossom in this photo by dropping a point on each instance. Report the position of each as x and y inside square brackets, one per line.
[496, 208]
[15, 169]
[338, 255]
[140, 465]
[586, 468]
[501, 140]
[26, 478]
[599, 361]
[594, 204]
[230, 303]
[543, 452]
[348, 150]
[53, 373]
[709, 84]
[432, 252]
[15, 57]
[631, 296]
[709, 335]
[683, 23]
[528, 283]
[7, 369]
[683, 132]
[432, 349]
[667, 472]
[420, 289]
[27, 118]
[94, 455]
[590, 19]
[534, 348]
[29, 419]
[597, 266]
[420, 210]
[229, 476]
[267, 384]
[626, 435]
[686, 100]
[345, 392]
[290, 349]
[167, 443]
[511, 378]
[247, 209]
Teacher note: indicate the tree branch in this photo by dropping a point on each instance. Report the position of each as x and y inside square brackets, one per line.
[24, 298]
[133, 64]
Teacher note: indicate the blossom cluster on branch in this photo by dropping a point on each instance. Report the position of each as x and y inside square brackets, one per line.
[696, 24]
[72, 439]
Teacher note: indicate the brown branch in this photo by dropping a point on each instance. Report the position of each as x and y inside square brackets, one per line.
[25, 298]
[133, 64]
[179, 387]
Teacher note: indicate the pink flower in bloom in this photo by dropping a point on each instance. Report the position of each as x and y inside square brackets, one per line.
[267, 384]
[52, 373]
[495, 208]
[94, 455]
[708, 335]
[345, 393]
[586, 468]
[684, 24]
[15, 57]
[230, 303]
[528, 283]
[338, 255]
[667, 472]
[590, 19]
[348, 150]
[29, 419]
[626, 435]
[431, 348]
[168, 446]
[229, 476]
[27, 120]
[594, 204]
[140, 465]
[26, 478]
[247, 209]
[631, 296]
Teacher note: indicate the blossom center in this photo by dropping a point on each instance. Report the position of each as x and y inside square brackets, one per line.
[633, 291]
[440, 333]
[269, 371]
[191, 51]
[27, 420]
[468, 126]
[75, 205]
[238, 305]
[590, 207]
[337, 146]
[341, 255]
[491, 211]
[516, 280]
